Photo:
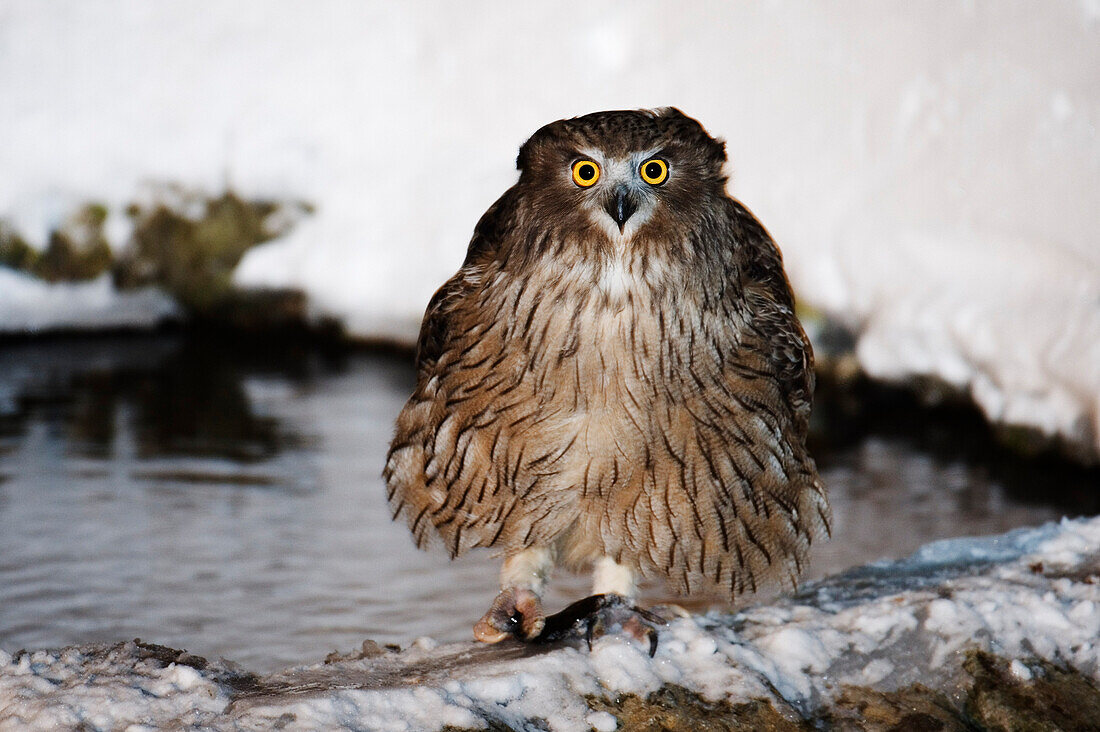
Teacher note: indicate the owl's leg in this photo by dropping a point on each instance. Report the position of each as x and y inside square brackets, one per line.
[517, 610]
[610, 577]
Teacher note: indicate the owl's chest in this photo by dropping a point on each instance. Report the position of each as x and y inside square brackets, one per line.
[603, 372]
[603, 336]
[591, 351]
[593, 364]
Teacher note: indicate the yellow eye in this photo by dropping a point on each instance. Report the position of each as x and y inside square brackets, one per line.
[654, 171]
[585, 173]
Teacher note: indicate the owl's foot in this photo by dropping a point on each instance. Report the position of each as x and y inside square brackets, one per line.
[601, 613]
[514, 613]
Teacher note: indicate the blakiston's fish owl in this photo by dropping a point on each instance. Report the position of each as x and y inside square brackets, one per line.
[615, 379]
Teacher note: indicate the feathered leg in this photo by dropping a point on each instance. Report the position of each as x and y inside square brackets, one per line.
[517, 610]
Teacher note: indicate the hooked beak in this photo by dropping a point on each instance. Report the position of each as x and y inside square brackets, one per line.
[621, 206]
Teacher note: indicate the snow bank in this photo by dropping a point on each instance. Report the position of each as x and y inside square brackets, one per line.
[1032, 596]
[929, 169]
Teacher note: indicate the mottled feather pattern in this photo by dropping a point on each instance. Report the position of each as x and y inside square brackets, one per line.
[645, 400]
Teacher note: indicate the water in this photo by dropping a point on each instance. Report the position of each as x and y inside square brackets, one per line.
[226, 499]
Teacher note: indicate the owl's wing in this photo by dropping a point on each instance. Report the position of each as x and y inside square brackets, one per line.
[774, 330]
[436, 329]
[442, 472]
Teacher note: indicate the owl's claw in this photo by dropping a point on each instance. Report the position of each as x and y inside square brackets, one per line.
[514, 613]
[599, 612]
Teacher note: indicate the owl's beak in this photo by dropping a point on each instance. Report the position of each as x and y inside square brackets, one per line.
[621, 206]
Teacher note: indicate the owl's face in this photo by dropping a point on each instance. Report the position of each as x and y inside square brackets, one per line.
[611, 181]
[619, 193]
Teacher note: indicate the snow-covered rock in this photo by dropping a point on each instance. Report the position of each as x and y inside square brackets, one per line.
[930, 170]
[1030, 598]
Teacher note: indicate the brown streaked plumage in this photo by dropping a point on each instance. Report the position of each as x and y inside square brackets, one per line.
[615, 377]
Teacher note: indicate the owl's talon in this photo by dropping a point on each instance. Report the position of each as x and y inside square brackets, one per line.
[591, 625]
[514, 613]
[642, 631]
[598, 612]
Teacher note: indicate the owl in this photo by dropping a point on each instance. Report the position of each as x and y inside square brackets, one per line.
[615, 380]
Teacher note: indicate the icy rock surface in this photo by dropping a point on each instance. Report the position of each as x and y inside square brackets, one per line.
[929, 169]
[1031, 595]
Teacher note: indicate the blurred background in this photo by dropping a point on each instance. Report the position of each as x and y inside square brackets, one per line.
[220, 224]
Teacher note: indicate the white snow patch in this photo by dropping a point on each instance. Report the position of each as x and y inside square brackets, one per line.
[1019, 670]
[100, 692]
[602, 721]
[29, 305]
[877, 670]
[623, 667]
[797, 654]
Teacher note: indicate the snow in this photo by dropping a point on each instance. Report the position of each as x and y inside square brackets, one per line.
[29, 305]
[929, 170]
[99, 690]
[1029, 595]
[602, 721]
[1020, 671]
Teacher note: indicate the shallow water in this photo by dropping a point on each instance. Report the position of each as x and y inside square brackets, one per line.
[227, 500]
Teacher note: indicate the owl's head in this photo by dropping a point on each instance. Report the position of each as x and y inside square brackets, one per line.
[623, 173]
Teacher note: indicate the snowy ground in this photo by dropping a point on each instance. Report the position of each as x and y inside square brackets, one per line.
[929, 169]
[1031, 596]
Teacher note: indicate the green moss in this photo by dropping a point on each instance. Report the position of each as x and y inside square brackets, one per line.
[14, 252]
[66, 261]
[75, 252]
[1052, 699]
[96, 212]
[991, 698]
[913, 708]
[193, 258]
[674, 708]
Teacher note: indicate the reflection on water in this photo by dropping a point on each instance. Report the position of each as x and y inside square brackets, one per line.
[227, 500]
